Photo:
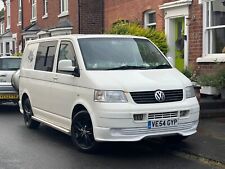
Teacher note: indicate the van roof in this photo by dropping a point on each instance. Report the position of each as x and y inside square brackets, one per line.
[79, 36]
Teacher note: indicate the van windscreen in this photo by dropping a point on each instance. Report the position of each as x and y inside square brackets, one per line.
[121, 54]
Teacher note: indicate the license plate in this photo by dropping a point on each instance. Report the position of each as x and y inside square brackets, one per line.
[162, 123]
[9, 96]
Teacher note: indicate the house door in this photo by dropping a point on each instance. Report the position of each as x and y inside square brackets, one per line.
[177, 38]
[179, 43]
[177, 31]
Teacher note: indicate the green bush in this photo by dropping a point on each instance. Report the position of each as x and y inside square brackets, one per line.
[18, 54]
[215, 80]
[189, 73]
[220, 76]
[207, 80]
[157, 37]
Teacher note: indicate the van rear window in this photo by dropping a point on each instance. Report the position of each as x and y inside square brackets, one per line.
[45, 56]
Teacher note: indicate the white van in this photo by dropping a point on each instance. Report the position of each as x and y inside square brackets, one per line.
[105, 88]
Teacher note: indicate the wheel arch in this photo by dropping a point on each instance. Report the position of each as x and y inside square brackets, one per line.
[78, 108]
[81, 106]
[24, 96]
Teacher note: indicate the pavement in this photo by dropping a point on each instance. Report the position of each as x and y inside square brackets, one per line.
[208, 142]
[211, 107]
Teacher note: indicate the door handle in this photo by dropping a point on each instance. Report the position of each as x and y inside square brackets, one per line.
[55, 78]
[3, 75]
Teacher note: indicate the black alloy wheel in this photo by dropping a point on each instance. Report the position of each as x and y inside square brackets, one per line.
[82, 132]
[27, 115]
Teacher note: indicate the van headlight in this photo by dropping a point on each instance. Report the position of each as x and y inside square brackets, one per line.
[190, 92]
[109, 96]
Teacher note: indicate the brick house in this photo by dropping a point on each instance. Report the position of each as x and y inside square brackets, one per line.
[195, 39]
[31, 19]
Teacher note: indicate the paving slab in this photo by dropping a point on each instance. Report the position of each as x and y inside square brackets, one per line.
[208, 142]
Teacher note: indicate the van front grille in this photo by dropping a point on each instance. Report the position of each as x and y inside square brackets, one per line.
[147, 97]
[165, 115]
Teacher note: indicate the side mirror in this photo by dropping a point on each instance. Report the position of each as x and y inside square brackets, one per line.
[170, 59]
[67, 67]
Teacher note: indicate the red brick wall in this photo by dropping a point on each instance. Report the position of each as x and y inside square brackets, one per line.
[14, 21]
[15, 28]
[91, 16]
[132, 10]
[53, 12]
[209, 68]
[26, 13]
[195, 32]
[73, 15]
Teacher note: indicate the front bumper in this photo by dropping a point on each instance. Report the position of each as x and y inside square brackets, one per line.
[119, 124]
[139, 133]
[8, 94]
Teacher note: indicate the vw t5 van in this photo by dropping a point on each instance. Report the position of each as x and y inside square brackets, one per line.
[100, 88]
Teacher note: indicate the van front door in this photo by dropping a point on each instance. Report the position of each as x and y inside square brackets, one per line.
[63, 90]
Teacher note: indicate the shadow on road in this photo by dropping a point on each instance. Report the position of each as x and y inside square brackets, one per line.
[9, 108]
[154, 147]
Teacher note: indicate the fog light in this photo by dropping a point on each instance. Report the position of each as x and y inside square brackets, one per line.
[138, 117]
[184, 113]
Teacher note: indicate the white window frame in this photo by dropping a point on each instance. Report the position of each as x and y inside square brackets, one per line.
[19, 12]
[33, 10]
[45, 9]
[146, 19]
[2, 27]
[8, 15]
[64, 8]
[208, 56]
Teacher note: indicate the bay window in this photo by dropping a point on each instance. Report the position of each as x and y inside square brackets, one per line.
[45, 8]
[214, 27]
[64, 6]
[19, 11]
[33, 10]
[8, 15]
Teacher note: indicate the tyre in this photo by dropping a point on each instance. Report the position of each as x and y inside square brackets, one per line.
[82, 132]
[27, 115]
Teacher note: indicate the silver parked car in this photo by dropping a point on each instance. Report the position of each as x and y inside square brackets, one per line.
[8, 66]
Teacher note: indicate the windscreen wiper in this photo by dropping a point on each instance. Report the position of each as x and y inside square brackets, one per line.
[127, 67]
[162, 67]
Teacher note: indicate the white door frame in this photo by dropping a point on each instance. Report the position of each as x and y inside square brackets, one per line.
[172, 11]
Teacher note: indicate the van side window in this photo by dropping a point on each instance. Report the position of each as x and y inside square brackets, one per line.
[45, 56]
[66, 52]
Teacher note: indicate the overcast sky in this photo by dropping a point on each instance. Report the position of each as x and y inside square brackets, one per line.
[1, 4]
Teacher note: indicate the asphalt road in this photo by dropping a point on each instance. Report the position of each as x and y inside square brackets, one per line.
[46, 148]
